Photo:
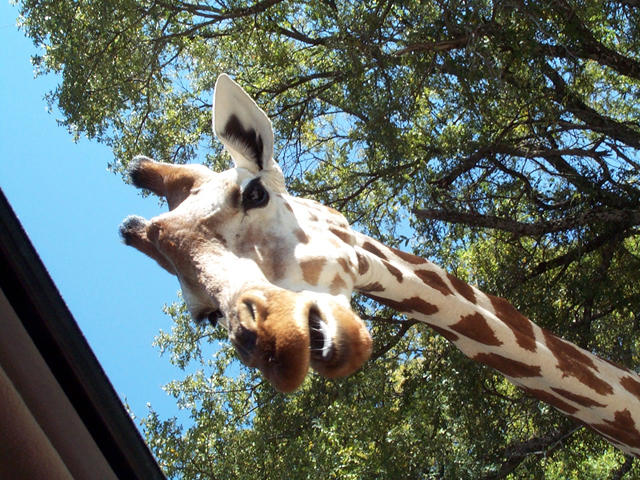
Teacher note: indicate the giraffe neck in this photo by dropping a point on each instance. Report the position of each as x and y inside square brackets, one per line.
[489, 330]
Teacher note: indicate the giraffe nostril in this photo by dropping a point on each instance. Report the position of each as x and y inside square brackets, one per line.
[244, 334]
[251, 308]
[245, 340]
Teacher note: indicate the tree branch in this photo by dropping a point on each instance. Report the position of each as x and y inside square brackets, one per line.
[216, 14]
[553, 156]
[594, 120]
[515, 454]
[625, 217]
[404, 328]
[623, 469]
[589, 47]
[460, 41]
[295, 82]
[579, 251]
[301, 37]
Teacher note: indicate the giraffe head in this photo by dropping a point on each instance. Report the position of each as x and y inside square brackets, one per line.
[274, 269]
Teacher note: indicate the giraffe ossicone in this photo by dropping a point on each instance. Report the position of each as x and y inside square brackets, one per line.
[278, 272]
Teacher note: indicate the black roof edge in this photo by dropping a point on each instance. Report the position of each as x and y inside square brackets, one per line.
[35, 298]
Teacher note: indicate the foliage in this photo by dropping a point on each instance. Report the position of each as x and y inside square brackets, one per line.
[500, 139]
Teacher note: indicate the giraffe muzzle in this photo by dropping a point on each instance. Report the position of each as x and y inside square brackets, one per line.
[268, 336]
[283, 333]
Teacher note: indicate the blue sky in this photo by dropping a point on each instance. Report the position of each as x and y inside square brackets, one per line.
[71, 206]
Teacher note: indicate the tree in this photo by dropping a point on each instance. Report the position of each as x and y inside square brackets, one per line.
[500, 139]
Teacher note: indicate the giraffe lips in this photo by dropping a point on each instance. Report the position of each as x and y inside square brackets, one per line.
[338, 339]
[320, 337]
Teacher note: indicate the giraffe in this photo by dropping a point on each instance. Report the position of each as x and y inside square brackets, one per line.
[278, 272]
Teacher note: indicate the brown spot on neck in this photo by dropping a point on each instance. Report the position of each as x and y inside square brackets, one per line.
[343, 235]
[508, 366]
[337, 285]
[476, 328]
[434, 280]
[311, 269]
[551, 399]
[631, 385]
[372, 287]
[408, 305]
[301, 236]
[622, 428]
[346, 266]
[393, 271]
[574, 362]
[408, 257]
[462, 288]
[371, 248]
[363, 263]
[449, 335]
[520, 325]
[579, 399]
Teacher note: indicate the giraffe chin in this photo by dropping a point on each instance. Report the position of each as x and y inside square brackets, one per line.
[282, 334]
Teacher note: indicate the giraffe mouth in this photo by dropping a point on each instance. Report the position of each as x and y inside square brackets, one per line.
[338, 339]
[321, 339]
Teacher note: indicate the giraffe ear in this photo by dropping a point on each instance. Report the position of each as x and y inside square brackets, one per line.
[242, 126]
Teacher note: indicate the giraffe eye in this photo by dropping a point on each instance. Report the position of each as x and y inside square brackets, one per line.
[254, 195]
